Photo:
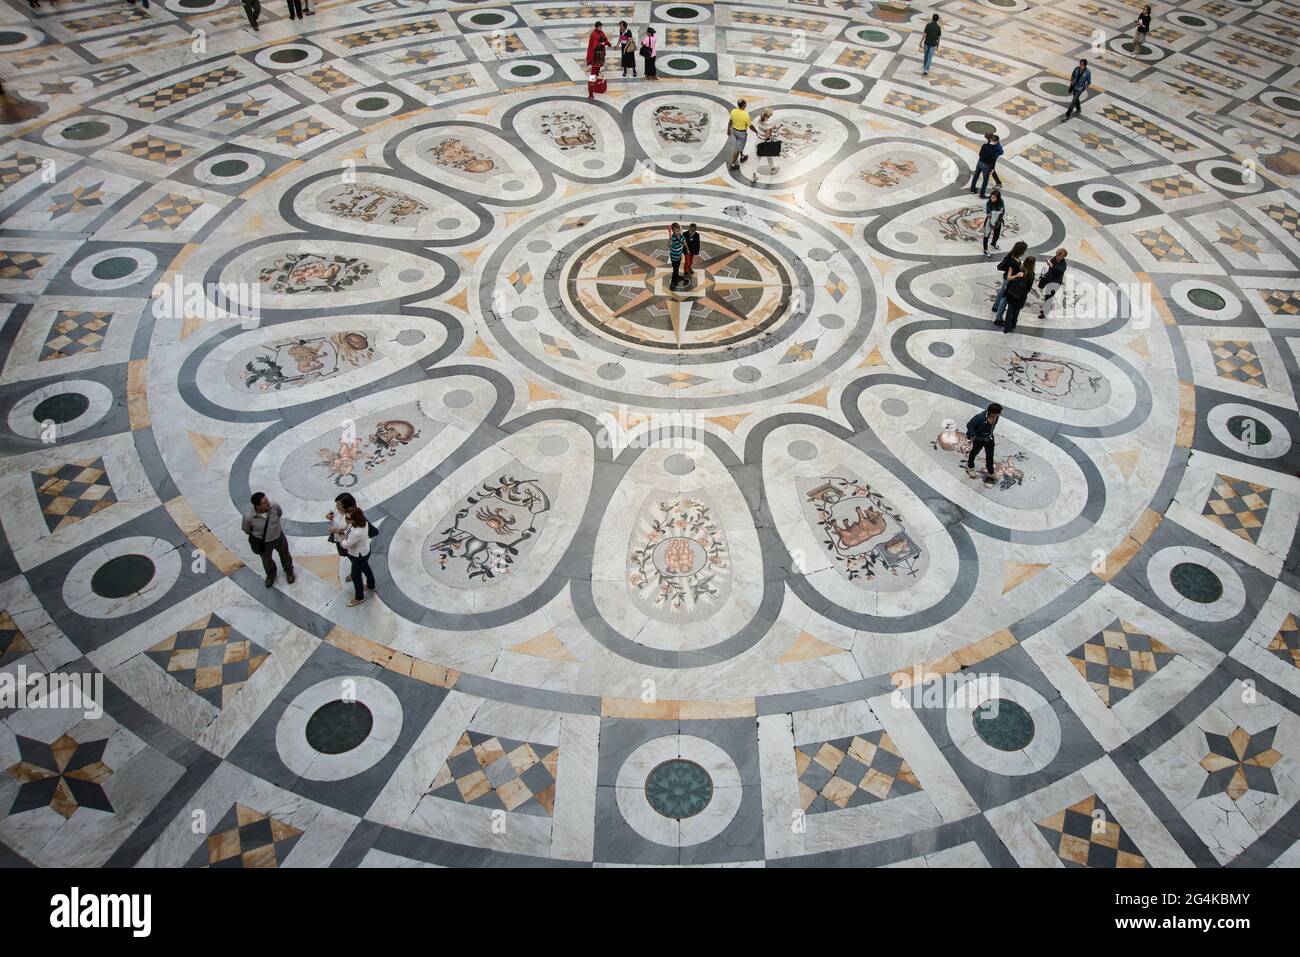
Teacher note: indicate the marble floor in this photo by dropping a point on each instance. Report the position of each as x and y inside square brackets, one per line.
[666, 576]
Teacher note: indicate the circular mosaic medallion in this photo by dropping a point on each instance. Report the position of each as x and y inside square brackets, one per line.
[679, 789]
[1196, 582]
[339, 726]
[1003, 724]
[1207, 299]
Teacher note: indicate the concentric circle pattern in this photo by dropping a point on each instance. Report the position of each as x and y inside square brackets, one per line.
[677, 562]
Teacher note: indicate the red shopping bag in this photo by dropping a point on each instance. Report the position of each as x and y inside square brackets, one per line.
[596, 84]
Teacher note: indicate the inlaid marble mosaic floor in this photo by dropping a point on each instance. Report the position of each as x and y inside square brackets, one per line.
[651, 562]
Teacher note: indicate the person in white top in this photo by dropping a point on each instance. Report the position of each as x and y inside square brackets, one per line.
[356, 542]
[767, 130]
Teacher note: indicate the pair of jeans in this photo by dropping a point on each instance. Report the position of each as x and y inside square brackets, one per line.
[1074, 106]
[278, 547]
[929, 58]
[1000, 300]
[986, 170]
[253, 10]
[677, 265]
[987, 446]
[360, 565]
[295, 9]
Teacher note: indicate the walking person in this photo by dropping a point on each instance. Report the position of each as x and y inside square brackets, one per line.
[1142, 29]
[626, 48]
[295, 9]
[980, 432]
[676, 248]
[768, 144]
[929, 43]
[649, 50]
[738, 124]
[1010, 264]
[1052, 280]
[1080, 80]
[356, 542]
[1018, 286]
[988, 158]
[994, 210]
[266, 536]
[993, 173]
[338, 523]
[253, 10]
[692, 239]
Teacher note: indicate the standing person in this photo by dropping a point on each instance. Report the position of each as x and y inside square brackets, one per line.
[676, 248]
[1080, 80]
[994, 210]
[295, 9]
[338, 522]
[1053, 277]
[266, 536]
[767, 131]
[929, 43]
[649, 50]
[980, 432]
[626, 48]
[596, 44]
[692, 239]
[356, 542]
[988, 158]
[1143, 28]
[253, 9]
[738, 126]
[1010, 264]
[1018, 285]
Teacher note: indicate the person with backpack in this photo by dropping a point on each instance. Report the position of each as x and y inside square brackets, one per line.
[1080, 80]
[266, 536]
[1010, 264]
[356, 542]
[980, 432]
[988, 158]
[1052, 279]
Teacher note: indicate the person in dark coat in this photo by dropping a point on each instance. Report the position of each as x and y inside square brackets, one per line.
[1053, 277]
[1010, 264]
[980, 432]
[994, 211]
[1080, 80]
[989, 154]
[692, 250]
[627, 48]
[1018, 286]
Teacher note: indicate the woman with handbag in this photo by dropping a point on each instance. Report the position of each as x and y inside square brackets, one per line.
[356, 543]
[627, 48]
[768, 144]
[649, 50]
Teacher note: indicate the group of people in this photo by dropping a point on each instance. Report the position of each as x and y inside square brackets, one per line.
[1018, 276]
[350, 533]
[598, 43]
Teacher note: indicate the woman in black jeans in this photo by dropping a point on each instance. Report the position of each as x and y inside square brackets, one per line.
[994, 210]
[357, 545]
[1017, 292]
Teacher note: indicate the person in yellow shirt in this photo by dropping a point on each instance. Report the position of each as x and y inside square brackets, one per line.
[738, 126]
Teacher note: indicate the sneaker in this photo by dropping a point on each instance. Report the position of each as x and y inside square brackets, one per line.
[270, 580]
[997, 322]
[290, 577]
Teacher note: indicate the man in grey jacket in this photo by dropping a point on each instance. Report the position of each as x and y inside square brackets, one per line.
[266, 536]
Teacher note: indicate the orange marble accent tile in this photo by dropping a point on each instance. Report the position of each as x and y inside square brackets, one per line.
[201, 536]
[137, 394]
[1186, 415]
[720, 708]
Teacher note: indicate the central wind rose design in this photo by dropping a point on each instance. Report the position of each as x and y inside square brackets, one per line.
[621, 285]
